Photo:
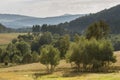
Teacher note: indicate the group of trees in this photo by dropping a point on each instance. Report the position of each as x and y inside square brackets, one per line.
[89, 52]
[54, 29]
[91, 55]
[19, 52]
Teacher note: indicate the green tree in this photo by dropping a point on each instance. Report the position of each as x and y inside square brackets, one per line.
[46, 38]
[98, 30]
[97, 54]
[106, 50]
[76, 52]
[36, 28]
[35, 56]
[24, 48]
[76, 38]
[16, 59]
[63, 45]
[14, 41]
[11, 48]
[27, 58]
[5, 57]
[50, 57]
[35, 46]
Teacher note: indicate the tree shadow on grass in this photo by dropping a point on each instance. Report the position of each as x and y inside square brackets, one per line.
[69, 72]
[75, 73]
[40, 74]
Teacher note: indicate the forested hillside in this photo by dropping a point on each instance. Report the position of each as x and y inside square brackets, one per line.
[4, 29]
[110, 16]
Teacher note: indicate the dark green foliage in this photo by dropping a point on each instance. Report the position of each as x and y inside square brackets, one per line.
[14, 41]
[63, 45]
[23, 47]
[5, 57]
[35, 57]
[36, 28]
[46, 38]
[54, 29]
[16, 58]
[35, 46]
[27, 58]
[97, 30]
[27, 38]
[11, 48]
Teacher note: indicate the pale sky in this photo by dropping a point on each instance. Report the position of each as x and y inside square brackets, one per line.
[47, 8]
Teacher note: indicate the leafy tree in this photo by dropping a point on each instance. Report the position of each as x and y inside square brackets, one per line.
[35, 56]
[97, 54]
[28, 37]
[46, 38]
[106, 50]
[50, 56]
[98, 30]
[63, 45]
[16, 59]
[5, 57]
[11, 48]
[14, 41]
[35, 46]
[27, 58]
[23, 47]
[76, 53]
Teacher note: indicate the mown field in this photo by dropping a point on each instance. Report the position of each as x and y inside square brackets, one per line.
[37, 71]
[6, 38]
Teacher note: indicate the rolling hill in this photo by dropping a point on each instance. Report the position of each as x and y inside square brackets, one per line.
[111, 16]
[20, 21]
[4, 29]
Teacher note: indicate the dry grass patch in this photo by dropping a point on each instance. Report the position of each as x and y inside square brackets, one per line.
[5, 38]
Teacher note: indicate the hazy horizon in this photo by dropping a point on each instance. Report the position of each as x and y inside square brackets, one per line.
[49, 8]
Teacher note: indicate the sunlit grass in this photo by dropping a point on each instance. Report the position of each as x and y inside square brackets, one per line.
[6, 38]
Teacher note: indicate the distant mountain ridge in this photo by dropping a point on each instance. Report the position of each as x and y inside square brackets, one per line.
[20, 21]
[110, 16]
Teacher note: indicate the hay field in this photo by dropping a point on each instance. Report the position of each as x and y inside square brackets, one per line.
[6, 38]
